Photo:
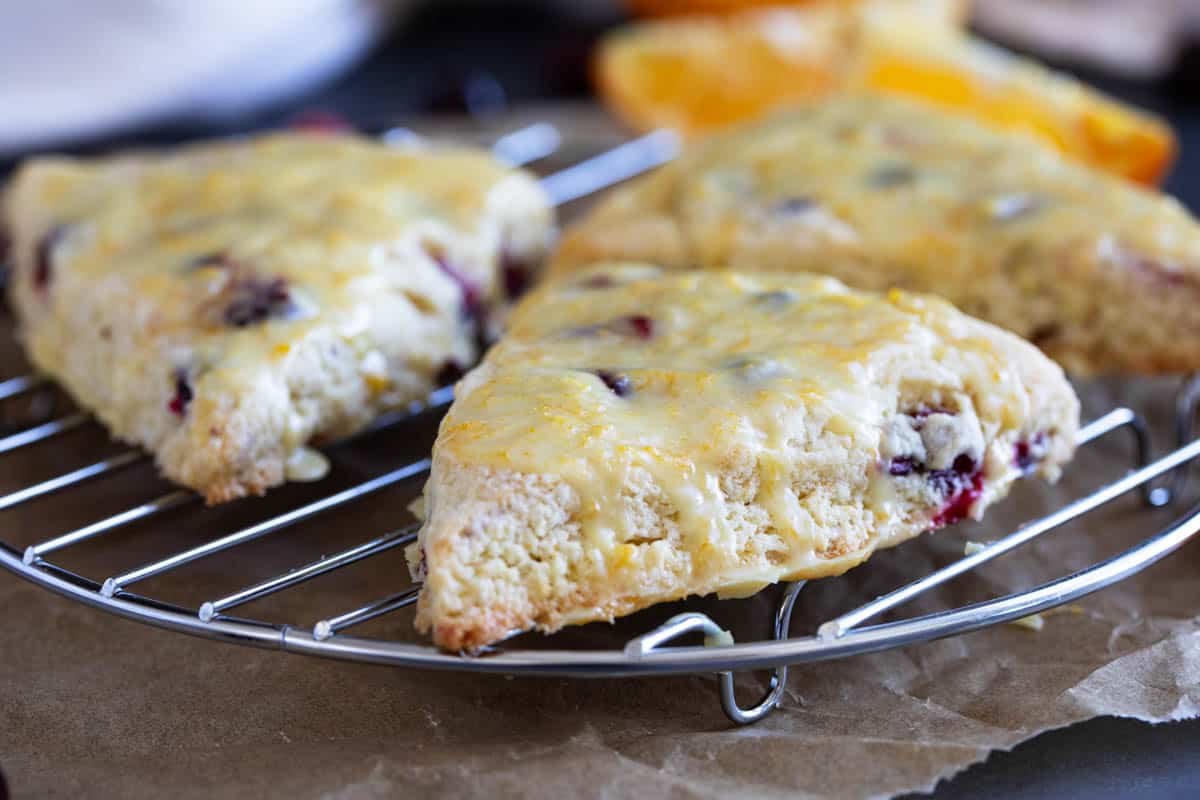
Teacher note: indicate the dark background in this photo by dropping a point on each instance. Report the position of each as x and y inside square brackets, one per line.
[487, 56]
[514, 53]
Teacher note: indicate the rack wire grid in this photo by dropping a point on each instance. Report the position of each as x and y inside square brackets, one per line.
[648, 654]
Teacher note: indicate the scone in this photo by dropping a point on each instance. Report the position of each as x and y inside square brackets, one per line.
[230, 304]
[640, 436]
[880, 192]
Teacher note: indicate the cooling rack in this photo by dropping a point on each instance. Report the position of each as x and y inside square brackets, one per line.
[652, 653]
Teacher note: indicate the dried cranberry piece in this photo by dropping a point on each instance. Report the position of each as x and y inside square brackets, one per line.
[422, 566]
[1028, 452]
[183, 395]
[636, 325]
[43, 257]
[949, 481]
[641, 325]
[1023, 456]
[958, 507]
[450, 373]
[515, 273]
[944, 481]
[253, 300]
[472, 300]
[964, 464]
[617, 384]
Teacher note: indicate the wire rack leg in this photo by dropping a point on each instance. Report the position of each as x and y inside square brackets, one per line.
[1187, 401]
[715, 636]
[1118, 419]
[729, 703]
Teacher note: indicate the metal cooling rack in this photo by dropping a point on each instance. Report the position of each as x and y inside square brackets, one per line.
[648, 654]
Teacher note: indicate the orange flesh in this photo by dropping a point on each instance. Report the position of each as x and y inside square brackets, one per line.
[1078, 121]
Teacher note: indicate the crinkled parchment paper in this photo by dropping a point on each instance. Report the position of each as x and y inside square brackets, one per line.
[92, 705]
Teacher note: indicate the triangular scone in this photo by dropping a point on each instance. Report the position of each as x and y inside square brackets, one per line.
[226, 304]
[880, 192]
[640, 436]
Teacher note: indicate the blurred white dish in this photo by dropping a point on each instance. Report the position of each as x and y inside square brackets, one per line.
[72, 70]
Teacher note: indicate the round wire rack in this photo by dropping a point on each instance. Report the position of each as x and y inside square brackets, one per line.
[652, 653]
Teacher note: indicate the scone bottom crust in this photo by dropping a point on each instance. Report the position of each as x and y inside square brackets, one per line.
[690, 433]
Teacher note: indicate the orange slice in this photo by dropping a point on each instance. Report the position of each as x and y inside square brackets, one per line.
[1000, 88]
[700, 74]
[670, 8]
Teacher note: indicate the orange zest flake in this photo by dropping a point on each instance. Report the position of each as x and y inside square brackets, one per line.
[464, 428]
[1143, 152]
[598, 431]
[623, 555]
[280, 350]
[377, 382]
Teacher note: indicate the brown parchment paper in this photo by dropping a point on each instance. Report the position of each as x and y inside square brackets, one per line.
[95, 706]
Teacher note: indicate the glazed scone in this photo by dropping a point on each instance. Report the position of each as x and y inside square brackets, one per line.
[640, 436]
[229, 304]
[883, 192]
